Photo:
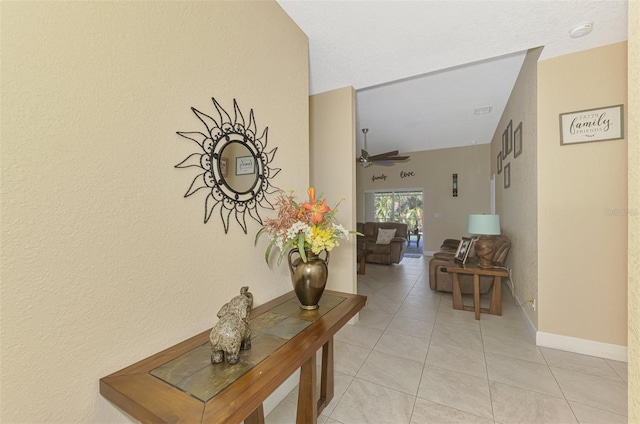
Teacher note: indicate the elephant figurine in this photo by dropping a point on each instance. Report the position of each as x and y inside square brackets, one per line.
[232, 333]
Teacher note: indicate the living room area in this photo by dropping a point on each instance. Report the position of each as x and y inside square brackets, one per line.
[542, 202]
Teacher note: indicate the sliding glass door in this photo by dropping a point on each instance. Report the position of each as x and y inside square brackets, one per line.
[395, 205]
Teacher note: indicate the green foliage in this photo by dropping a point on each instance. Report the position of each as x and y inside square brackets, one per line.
[399, 206]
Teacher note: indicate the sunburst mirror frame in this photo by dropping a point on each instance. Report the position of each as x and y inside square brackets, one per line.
[220, 133]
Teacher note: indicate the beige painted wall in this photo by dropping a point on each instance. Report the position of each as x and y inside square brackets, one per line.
[634, 205]
[517, 205]
[103, 261]
[432, 172]
[582, 239]
[332, 172]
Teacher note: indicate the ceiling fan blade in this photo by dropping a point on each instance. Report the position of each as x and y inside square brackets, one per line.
[383, 155]
[383, 158]
[389, 158]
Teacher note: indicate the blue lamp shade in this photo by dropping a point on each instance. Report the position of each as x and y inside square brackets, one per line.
[488, 225]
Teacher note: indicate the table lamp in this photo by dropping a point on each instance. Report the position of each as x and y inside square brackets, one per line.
[484, 226]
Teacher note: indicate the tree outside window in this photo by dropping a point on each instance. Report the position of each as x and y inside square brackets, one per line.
[400, 206]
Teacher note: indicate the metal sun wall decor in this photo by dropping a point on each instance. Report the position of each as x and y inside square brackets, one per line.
[221, 144]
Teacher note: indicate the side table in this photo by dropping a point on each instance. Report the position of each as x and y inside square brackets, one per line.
[496, 292]
[417, 236]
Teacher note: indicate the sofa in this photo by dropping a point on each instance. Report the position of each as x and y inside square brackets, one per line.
[386, 247]
[443, 281]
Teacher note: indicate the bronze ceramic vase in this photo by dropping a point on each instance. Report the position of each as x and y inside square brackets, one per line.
[308, 278]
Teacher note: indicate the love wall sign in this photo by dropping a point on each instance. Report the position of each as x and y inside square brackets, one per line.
[592, 125]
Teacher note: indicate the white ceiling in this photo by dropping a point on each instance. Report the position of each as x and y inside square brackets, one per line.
[420, 68]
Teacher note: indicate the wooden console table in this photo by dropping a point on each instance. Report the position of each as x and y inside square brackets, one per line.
[180, 385]
[496, 292]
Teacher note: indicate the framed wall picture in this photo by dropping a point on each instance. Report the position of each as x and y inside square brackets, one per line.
[245, 165]
[517, 141]
[507, 140]
[504, 144]
[507, 175]
[224, 165]
[509, 137]
[592, 125]
[463, 250]
[499, 163]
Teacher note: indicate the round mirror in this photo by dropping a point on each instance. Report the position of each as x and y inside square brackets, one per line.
[240, 170]
[235, 166]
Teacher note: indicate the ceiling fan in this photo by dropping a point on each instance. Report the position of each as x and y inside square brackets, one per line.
[382, 159]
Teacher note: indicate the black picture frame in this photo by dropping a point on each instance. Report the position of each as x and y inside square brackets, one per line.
[509, 131]
[517, 141]
[499, 163]
[507, 175]
[504, 144]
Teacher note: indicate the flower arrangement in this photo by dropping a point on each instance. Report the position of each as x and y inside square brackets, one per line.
[307, 226]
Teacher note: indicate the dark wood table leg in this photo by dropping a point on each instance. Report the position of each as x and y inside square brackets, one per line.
[326, 379]
[496, 297]
[457, 294]
[256, 417]
[307, 403]
[362, 264]
[476, 295]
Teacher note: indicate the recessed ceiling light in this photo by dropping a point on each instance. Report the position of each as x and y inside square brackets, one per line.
[581, 30]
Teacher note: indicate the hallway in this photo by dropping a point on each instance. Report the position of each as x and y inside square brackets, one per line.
[413, 359]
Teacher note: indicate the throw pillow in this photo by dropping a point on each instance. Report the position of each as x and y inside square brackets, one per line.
[385, 235]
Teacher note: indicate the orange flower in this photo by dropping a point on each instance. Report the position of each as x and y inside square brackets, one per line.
[317, 210]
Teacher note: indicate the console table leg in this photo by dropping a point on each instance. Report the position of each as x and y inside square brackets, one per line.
[326, 379]
[307, 404]
[256, 417]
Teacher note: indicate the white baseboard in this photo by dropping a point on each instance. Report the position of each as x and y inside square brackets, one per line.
[583, 346]
[531, 328]
[573, 344]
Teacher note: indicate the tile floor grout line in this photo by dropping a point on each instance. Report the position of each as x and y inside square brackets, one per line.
[415, 285]
[486, 371]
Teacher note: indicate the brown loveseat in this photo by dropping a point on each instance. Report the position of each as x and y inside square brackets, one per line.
[443, 281]
[387, 253]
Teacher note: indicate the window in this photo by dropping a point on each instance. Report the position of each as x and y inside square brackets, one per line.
[397, 206]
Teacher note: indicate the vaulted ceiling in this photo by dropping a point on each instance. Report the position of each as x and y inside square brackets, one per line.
[421, 69]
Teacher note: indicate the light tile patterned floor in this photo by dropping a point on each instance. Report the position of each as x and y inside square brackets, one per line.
[413, 359]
